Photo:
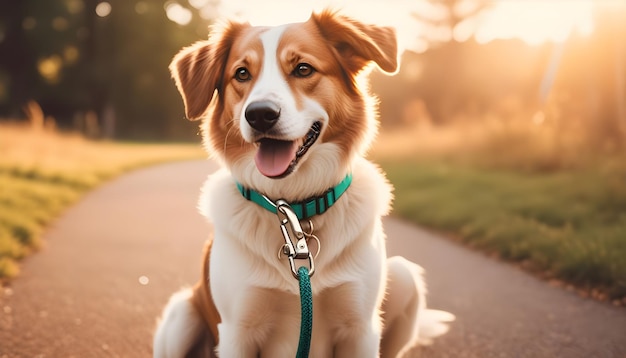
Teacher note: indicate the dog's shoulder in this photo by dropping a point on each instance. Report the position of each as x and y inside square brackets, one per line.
[219, 187]
[370, 186]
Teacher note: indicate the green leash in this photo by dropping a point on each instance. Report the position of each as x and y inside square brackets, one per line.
[306, 315]
[298, 250]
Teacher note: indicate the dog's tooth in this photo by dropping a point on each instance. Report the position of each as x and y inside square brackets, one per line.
[301, 151]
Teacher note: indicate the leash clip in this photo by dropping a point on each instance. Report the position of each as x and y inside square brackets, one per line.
[300, 251]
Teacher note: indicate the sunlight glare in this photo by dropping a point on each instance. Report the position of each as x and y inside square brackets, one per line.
[536, 22]
[177, 13]
[103, 9]
[396, 13]
[464, 30]
[199, 4]
[50, 67]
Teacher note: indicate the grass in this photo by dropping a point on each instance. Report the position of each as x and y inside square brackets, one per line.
[558, 212]
[42, 172]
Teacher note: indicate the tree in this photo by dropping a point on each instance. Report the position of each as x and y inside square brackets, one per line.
[442, 76]
[446, 16]
[72, 61]
[450, 94]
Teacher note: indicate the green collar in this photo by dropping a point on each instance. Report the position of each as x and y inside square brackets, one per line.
[305, 209]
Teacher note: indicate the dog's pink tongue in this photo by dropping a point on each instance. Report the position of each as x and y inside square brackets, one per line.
[274, 156]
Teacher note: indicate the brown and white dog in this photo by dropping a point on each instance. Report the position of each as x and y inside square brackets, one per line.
[287, 114]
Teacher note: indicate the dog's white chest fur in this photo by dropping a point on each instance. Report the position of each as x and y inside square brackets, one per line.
[255, 291]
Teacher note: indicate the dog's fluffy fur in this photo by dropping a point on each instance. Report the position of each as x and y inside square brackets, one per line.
[365, 305]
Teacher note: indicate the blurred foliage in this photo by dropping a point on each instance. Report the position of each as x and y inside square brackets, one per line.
[77, 64]
[578, 86]
[82, 68]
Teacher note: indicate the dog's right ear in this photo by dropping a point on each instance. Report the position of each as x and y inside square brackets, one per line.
[198, 69]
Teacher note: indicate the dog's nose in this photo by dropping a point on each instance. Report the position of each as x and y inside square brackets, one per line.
[262, 115]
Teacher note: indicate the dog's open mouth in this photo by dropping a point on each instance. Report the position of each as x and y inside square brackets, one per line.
[278, 158]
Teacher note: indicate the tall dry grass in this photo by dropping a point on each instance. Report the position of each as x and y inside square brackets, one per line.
[48, 152]
[524, 144]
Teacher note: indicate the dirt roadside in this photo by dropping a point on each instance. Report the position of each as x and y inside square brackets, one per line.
[112, 260]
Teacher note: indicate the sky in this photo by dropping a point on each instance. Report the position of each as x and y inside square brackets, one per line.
[533, 21]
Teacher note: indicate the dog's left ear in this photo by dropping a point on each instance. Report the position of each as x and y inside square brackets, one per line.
[358, 44]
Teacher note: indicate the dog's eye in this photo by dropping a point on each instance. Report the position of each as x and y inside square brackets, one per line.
[242, 74]
[303, 70]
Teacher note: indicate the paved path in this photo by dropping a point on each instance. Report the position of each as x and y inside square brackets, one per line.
[112, 261]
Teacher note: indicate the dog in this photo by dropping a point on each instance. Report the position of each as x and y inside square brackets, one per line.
[287, 112]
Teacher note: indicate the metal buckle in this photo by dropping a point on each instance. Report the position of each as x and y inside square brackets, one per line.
[289, 223]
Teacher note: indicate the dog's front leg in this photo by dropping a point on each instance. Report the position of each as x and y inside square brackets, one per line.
[365, 343]
[234, 343]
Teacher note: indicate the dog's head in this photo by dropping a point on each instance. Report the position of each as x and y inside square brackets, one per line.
[273, 97]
